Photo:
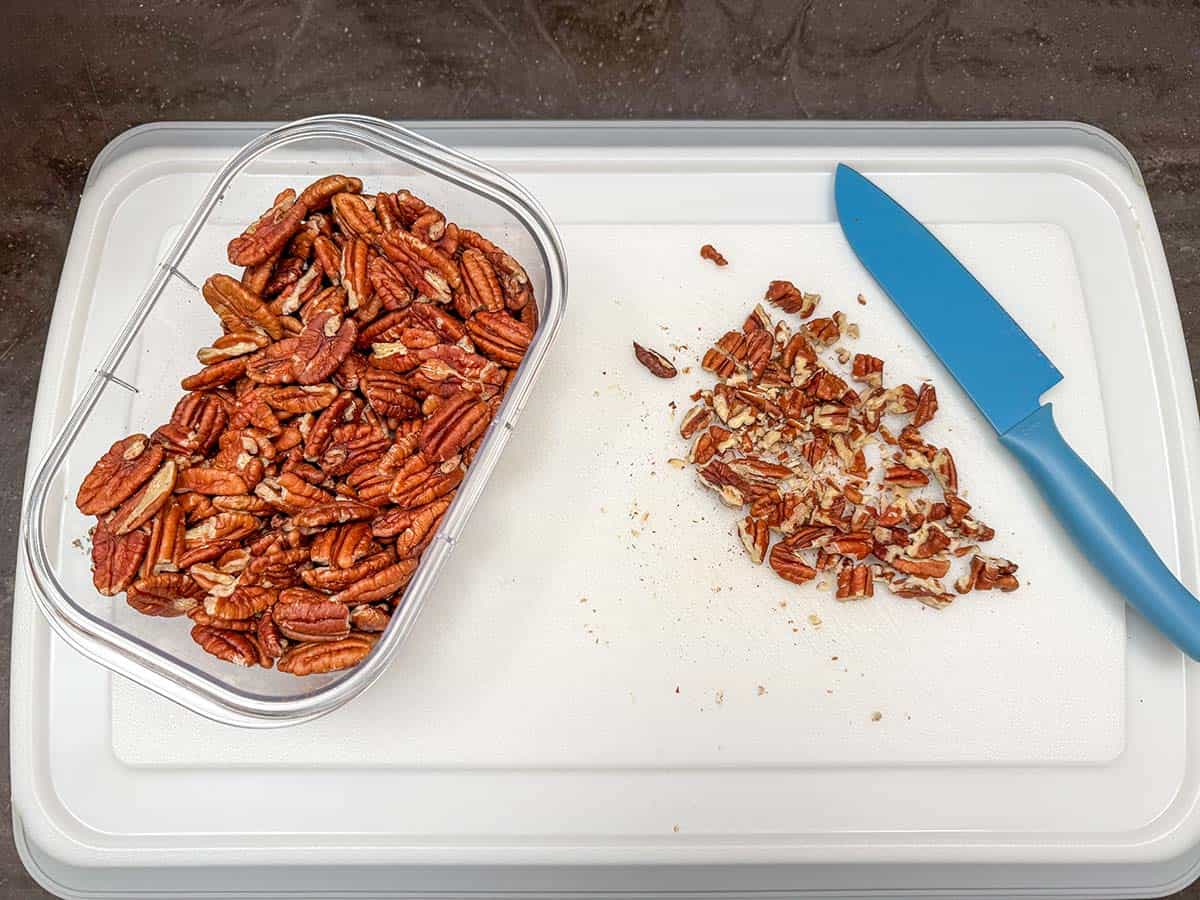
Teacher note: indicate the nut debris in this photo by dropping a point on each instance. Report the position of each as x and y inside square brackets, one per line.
[285, 506]
[829, 468]
[709, 252]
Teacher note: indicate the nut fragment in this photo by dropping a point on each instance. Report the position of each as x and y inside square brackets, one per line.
[658, 364]
[709, 252]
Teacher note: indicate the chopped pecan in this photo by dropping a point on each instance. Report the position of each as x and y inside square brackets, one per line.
[791, 299]
[926, 407]
[988, 573]
[709, 252]
[855, 583]
[790, 565]
[755, 535]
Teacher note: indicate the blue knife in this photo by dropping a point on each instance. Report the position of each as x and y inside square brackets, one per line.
[1005, 373]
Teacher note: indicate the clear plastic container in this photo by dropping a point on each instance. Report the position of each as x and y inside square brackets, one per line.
[137, 384]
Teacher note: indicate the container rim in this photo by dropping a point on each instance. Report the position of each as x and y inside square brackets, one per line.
[164, 673]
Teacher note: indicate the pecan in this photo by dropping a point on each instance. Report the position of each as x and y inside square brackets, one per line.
[305, 615]
[421, 529]
[354, 272]
[446, 369]
[277, 568]
[226, 526]
[693, 420]
[944, 470]
[270, 640]
[380, 585]
[342, 411]
[388, 283]
[921, 568]
[456, 423]
[790, 565]
[267, 235]
[353, 216]
[329, 257]
[426, 269]
[365, 617]
[116, 558]
[126, 466]
[139, 508]
[209, 481]
[926, 405]
[298, 399]
[166, 542]
[343, 546]
[231, 646]
[255, 278]
[928, 590]
[481, 287]
[791, 299]
[315, 658]
[285, 275]
[988, 573]
[822, 332]
[855, 583]
[196, 423]
[244, 602]
[724, 357]
[437, 320]
[709, 252]
[333, 579]
[337, 513]
[238, 308]
[500, 337]
[200, 617]
[165, 594]
[388, 394]
[215, 375]
[755, 535]
[296, 294]
[351, 446]
[320, 348]
[410, 490]
[658, 364]
[318, 194]
[229, 346]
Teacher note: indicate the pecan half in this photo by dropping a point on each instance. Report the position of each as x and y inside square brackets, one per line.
[326, 340]
[166, 594]
[305, 615]
[343, 546]
[118, 474]
[270, 233]
[116, 558]
[245, 602]
[235, 647]
[421, 528]
[365, 617]
[318, 194]
[380, 585]
[138, 509]
[456, 424]
[316, 658]
[481, 288]
[500, 337]
[238, 308]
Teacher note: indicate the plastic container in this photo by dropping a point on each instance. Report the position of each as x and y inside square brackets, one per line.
[137, 384]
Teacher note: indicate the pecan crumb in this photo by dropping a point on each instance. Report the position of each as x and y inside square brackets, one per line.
[876, 716]
[709, 252]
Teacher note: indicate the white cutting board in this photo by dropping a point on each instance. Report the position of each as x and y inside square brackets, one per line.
[567, 619]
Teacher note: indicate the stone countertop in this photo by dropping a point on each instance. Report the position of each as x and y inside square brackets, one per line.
[75, 75]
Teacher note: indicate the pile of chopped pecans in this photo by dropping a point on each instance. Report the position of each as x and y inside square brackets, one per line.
[286, 504]
[786, 438]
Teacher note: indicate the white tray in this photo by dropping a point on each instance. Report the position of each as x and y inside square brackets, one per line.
[525, 740]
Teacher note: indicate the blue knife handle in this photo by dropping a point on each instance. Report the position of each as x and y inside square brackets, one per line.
[1103, 529]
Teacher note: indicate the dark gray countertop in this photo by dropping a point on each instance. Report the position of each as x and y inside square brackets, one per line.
[75, 75]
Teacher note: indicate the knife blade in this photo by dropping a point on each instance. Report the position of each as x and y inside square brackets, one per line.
[1005, 374]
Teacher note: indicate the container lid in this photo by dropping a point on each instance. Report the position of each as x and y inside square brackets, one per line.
[533, 716]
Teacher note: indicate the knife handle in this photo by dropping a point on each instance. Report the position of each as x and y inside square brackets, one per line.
[1102, 528]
